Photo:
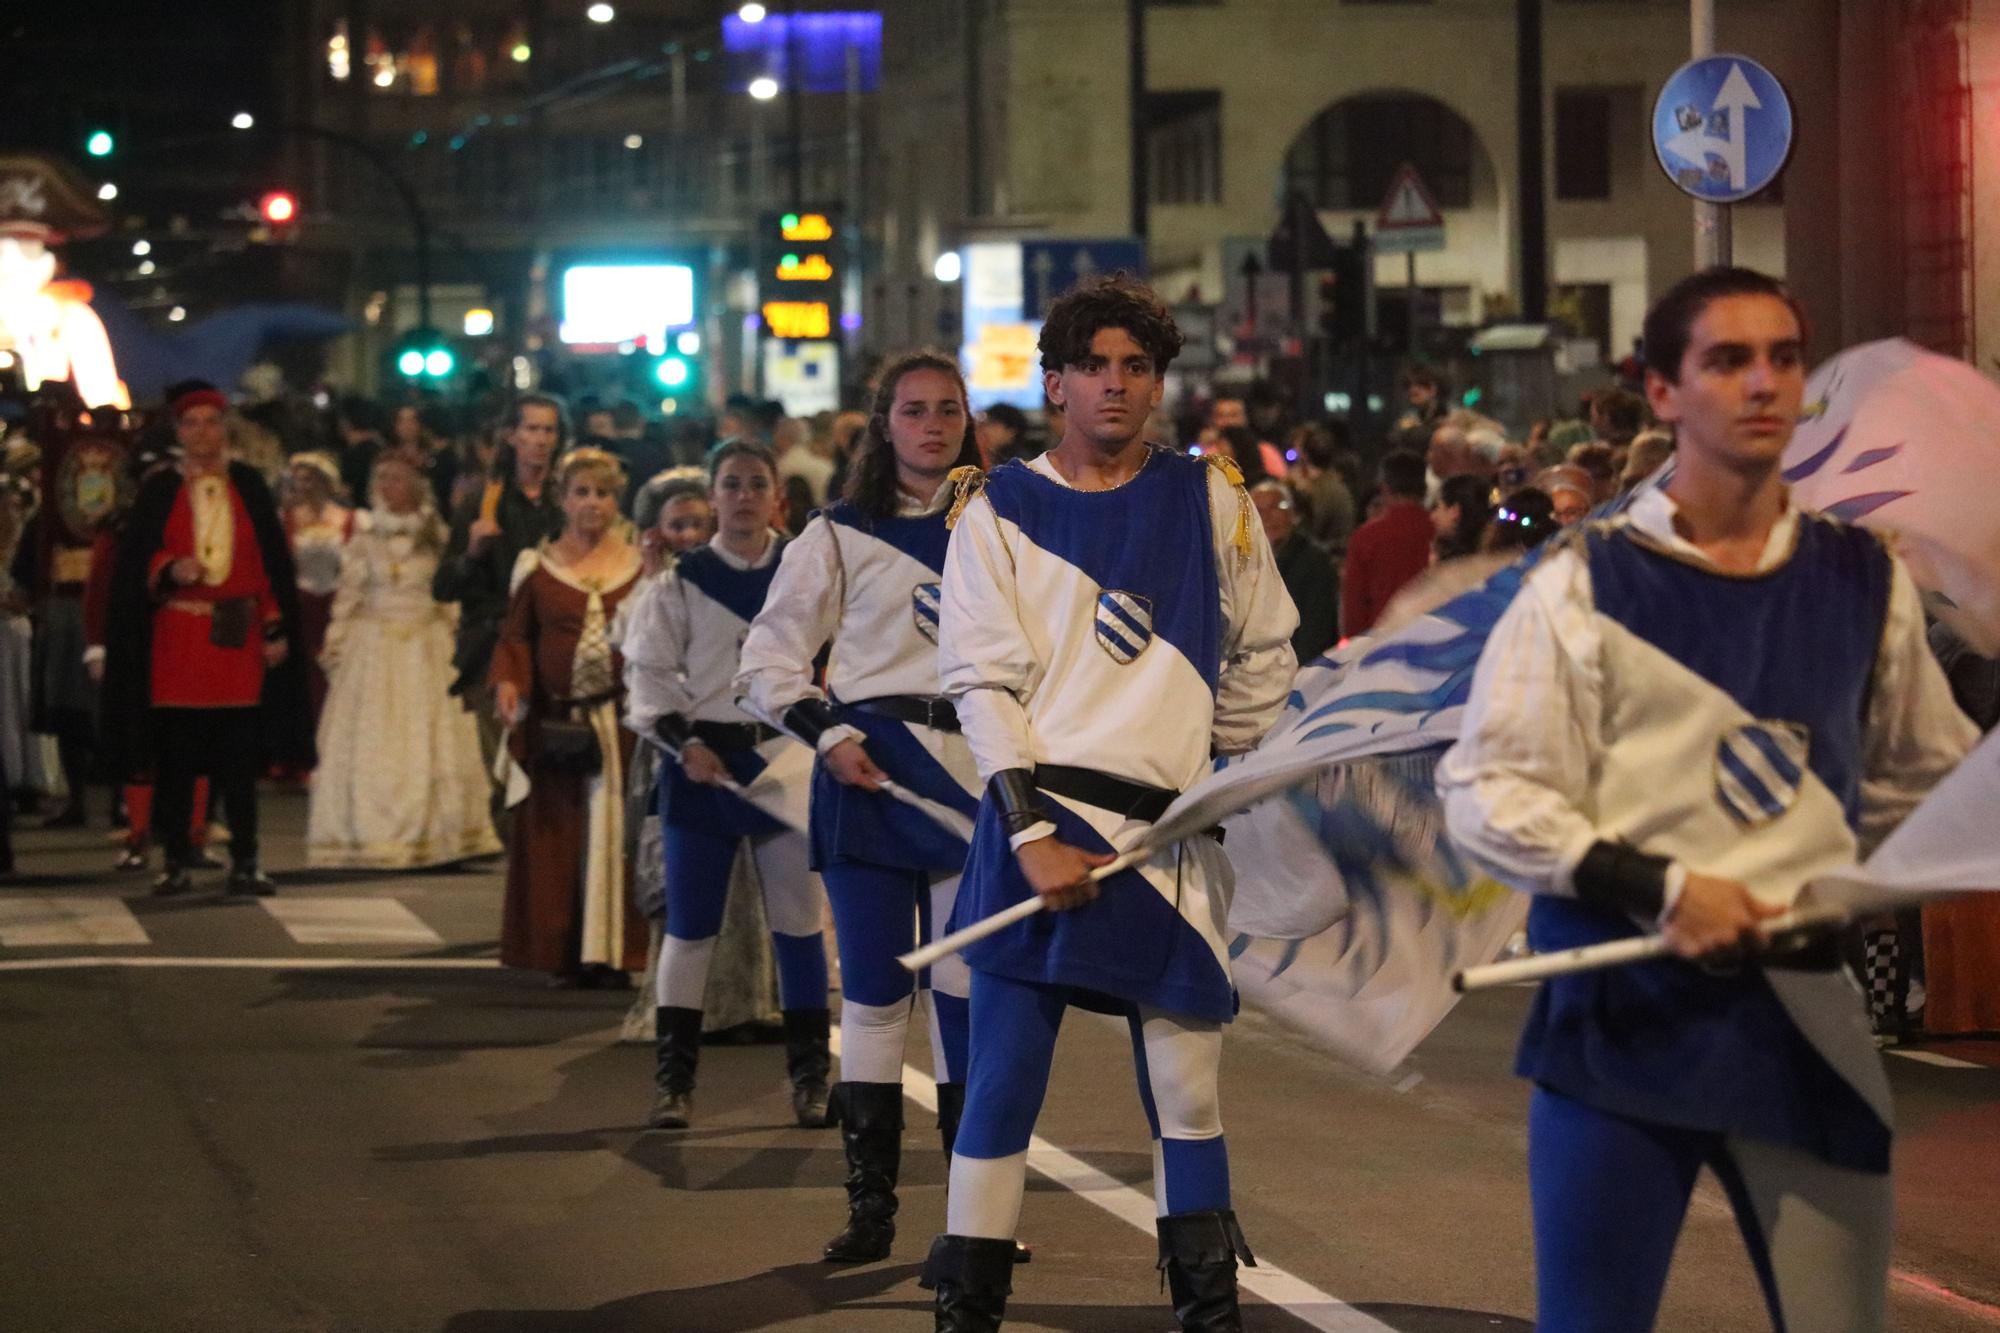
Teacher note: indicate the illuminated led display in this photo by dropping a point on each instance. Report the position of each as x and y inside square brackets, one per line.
[607, 304]
[798, 319]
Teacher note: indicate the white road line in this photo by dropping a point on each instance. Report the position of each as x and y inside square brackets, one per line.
[1934, 1058]
[350, 921]
[248, 964]
[39, 923]
[1272, 1284]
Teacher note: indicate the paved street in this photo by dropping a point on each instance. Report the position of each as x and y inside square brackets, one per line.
[329, 1112]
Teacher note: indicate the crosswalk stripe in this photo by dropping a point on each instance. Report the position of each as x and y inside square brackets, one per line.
[1940, 1060]
[350, 921]
[36, 923]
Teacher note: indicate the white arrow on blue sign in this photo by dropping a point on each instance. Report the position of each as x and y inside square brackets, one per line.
[1722, 128]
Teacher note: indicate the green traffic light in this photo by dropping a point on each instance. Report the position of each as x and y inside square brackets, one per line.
[789, 221]
[411, 363]
[672, 372]
[100, 143]
[438, 363]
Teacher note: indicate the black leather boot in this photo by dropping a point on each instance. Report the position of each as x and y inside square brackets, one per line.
[871, 1129]
[808, 1062]
[677, 1043]
[1198, 1254]
[972, 1277]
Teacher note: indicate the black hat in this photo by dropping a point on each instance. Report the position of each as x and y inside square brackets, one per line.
[43, 199]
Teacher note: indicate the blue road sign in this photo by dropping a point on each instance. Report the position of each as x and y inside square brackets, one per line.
[1050, 268]
[1722, 128]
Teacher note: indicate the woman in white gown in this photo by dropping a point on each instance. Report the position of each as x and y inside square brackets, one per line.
[400, 783]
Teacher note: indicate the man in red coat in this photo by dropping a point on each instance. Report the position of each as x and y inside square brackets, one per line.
[204, 610]
[1388, 550]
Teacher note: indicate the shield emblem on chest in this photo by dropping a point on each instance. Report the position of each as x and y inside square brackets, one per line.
[1759, 769]
[1124, 624]
[924, 600]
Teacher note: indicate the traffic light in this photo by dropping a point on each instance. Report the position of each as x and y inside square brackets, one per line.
[423, 354]
[1343, 294]
[278, 207]
[673, 373]
[100, 143]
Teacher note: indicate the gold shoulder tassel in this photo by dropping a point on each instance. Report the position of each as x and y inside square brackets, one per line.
[1240, 536]
[965, 482]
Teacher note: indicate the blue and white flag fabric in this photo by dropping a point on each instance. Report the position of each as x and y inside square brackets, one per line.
[1352, 909]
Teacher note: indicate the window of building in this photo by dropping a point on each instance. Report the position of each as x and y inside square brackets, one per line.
[1583, 143]
[1184, 147]
[1350, 154]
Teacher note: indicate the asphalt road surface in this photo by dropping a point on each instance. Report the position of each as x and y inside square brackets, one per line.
[330, 1111]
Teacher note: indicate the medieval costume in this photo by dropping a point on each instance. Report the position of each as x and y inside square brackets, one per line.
[400, 783]
[569, 908]
[186, 688]
[317, 542]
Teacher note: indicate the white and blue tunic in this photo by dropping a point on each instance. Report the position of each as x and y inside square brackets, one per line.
[682, 643]
[1123, 631]
[869, 588]
[1765, 728]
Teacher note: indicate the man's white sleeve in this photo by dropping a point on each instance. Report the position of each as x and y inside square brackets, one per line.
[656, 639]
[800, 616]
[985, 663]
[1916, 733]
[1516, 785]
[1258, 622]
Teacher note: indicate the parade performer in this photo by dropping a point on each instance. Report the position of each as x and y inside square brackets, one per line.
[681, 652]
[1687, 713]
[557, 685]
[864, 577]
[198, 676]
[1112, 617]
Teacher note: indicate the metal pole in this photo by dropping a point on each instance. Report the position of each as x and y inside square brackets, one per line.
[1528, 146]
[1712, 240]
[850, 295]
[1410, 295]
[1135, 26]
[795, 112]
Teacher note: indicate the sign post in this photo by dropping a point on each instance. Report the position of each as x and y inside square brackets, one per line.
[1722, 130]
[1409, 220]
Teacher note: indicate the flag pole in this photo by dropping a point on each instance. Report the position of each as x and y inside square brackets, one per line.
[1779, 930]
[1007, 916]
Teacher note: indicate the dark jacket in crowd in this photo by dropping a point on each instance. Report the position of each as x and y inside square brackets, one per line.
[127, 700]
[478, 580]
[1307, 570]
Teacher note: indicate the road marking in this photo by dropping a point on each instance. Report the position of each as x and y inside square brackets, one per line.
[37, 923]
[1272, 1284]
[1934, 1058]
[350, 921]
[248, 964]
[1932, 1289]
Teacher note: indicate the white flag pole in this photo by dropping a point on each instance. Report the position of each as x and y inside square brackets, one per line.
[999, 921]
[1639, 949]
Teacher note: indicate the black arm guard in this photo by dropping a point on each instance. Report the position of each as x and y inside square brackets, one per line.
[673, 731]
[1622, 878]
[809, 719]
[1014, 795]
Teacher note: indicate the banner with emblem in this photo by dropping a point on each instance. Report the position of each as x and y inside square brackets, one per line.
[925, 599]
[1124, 624]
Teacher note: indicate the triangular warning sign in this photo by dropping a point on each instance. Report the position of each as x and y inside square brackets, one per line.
[1408, 204]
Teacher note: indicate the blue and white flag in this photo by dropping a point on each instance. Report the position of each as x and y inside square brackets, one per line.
[1352, 909]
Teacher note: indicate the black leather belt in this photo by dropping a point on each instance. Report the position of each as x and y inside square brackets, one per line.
[731, 735]
[1134, 800]
[926, 710]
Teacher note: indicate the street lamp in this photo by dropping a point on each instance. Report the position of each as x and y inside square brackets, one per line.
[242, 120]
[600, 13]
[752, 13]
[635, 141]
[763, 87]
[141, 248]
[177, 314]
[949, 267]
[107, 192]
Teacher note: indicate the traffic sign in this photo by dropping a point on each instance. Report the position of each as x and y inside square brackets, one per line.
[1409, 219]
[1053, 267]
[1722, 128]
[1300, 240]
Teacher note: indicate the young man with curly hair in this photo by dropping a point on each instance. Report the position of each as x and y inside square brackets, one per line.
[1112, 618]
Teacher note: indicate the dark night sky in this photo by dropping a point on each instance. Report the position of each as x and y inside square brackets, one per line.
[148, 70]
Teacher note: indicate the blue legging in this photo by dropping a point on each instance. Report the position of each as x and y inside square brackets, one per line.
[1014, 1026]
[1610, 1194]
[880, 912]
[698, 866]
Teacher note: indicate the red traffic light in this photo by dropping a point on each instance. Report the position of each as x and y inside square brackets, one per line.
[278, 207]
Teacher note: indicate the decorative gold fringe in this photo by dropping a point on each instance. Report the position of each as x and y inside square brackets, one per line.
[1240, 536]
[965, 482]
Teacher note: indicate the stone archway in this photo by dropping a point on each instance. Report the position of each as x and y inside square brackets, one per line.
[1344, 159]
